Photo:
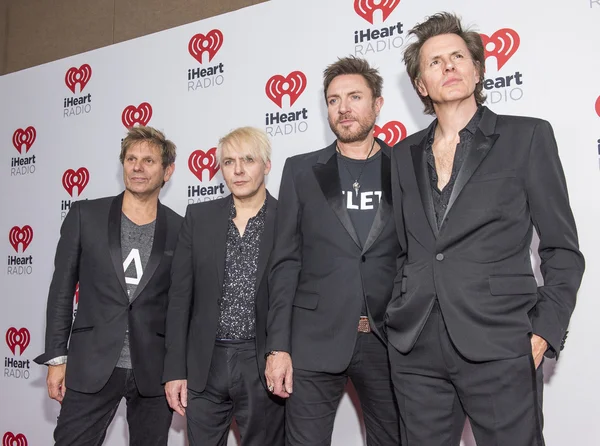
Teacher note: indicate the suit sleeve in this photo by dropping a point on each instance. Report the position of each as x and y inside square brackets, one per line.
[286, 263]
[562, 263]
[180, 303]
[59, 314]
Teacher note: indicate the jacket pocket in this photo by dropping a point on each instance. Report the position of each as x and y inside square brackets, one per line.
[81, 329]
[306, 300]
[507, 285]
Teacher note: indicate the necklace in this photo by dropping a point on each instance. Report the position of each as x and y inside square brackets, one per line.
[356, 184]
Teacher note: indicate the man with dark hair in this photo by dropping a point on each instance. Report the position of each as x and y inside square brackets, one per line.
[468, 325]
[119, 250]
[334, 262]
[218, 303]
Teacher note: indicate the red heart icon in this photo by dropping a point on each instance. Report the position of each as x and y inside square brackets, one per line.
[209, 43]
[133, 115]
[72, 178]
[22, 236]
[24, 137]
[366, 8]
[278, 86]
[199, 161]
[504, 43]
[598, 106]
[16, 337]
[10, 439]
[80, 76]
[391, 133]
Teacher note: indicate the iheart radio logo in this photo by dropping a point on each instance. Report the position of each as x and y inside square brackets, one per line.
[133, 115]
[72, 178]
[366, 8]
[502, 45]
[210, 43]
[278, 86]
[391, 133]
[10, 439]
[16, 337]
[24, 138]
[199, 161]
[598, 106]
[81, 76]
[20, 236]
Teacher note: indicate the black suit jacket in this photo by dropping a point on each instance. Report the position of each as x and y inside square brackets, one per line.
[198, 270]
[89, 252]
[478, 263]
[320, 274]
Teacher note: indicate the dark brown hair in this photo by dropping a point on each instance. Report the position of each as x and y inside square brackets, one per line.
[353, 65]
[151, 136]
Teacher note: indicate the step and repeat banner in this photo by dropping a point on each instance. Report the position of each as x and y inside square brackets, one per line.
[62, 123]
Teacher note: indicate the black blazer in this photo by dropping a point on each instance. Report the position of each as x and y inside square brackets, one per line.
[478, 264]
[197, 276]
[320, 275]
[89, 252]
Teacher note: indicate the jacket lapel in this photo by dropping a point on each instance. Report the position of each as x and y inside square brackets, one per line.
[114, 240]
[158, 250]
[419, 158]
[266, 240]
[327, 174]
[384, 211]
[483, 141]
[221, 222]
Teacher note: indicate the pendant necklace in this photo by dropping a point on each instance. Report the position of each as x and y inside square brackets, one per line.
[356, 184]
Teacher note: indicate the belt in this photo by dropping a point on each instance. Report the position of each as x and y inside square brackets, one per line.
[363, 325]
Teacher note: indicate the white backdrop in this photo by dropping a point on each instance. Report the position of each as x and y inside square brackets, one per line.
[61, 126]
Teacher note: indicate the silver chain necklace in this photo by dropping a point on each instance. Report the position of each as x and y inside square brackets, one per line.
[356, 184]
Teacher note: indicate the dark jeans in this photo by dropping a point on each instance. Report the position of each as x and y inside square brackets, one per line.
[311, 409]
[233, 389]
[436, 387]
[84, 417]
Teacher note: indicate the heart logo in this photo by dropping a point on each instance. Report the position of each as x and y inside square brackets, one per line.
[199, 161]
[22, 236]
[16, 337]
[72, 178]
[391, 133]
[366, 8]
[10, 439]
[278, 86]
[210, 43]
[502, 45]
[81, 76]
[24, 138]
[598, 106]
[133, 115]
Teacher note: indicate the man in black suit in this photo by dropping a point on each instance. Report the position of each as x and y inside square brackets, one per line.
[218, 304]
[468, 326]
[334, 262]
[119, 249]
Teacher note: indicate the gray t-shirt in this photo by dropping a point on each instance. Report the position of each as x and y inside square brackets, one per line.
[136, 246]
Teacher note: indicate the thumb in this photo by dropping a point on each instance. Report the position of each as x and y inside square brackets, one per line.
[184, 395]
[289, 380]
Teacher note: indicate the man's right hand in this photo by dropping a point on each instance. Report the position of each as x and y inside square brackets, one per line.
[56, 381]
[279, 374]
[176, 392]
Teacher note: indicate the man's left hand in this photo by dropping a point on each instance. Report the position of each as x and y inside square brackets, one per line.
[538, 348]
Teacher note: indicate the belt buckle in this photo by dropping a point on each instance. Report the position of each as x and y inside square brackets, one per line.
[363, 325]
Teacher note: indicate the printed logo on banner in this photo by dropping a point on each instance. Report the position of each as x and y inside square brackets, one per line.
[20, 238]
[375, 40]
[204, 165]
[594, 3]
[500, 47]
[133, 115]
[203, 48]
[74, 182]
[10, 439]
[76, 79]
[286, 122]
[22, 141]
[16, 366]
[598, 113]
[391, 133]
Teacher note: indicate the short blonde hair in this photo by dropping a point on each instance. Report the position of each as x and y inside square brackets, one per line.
[151, 136]
[257, 138]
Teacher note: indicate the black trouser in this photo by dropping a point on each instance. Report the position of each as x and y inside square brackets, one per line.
[436, 387]
[311, 409]
[234, 388]
[84, 417]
